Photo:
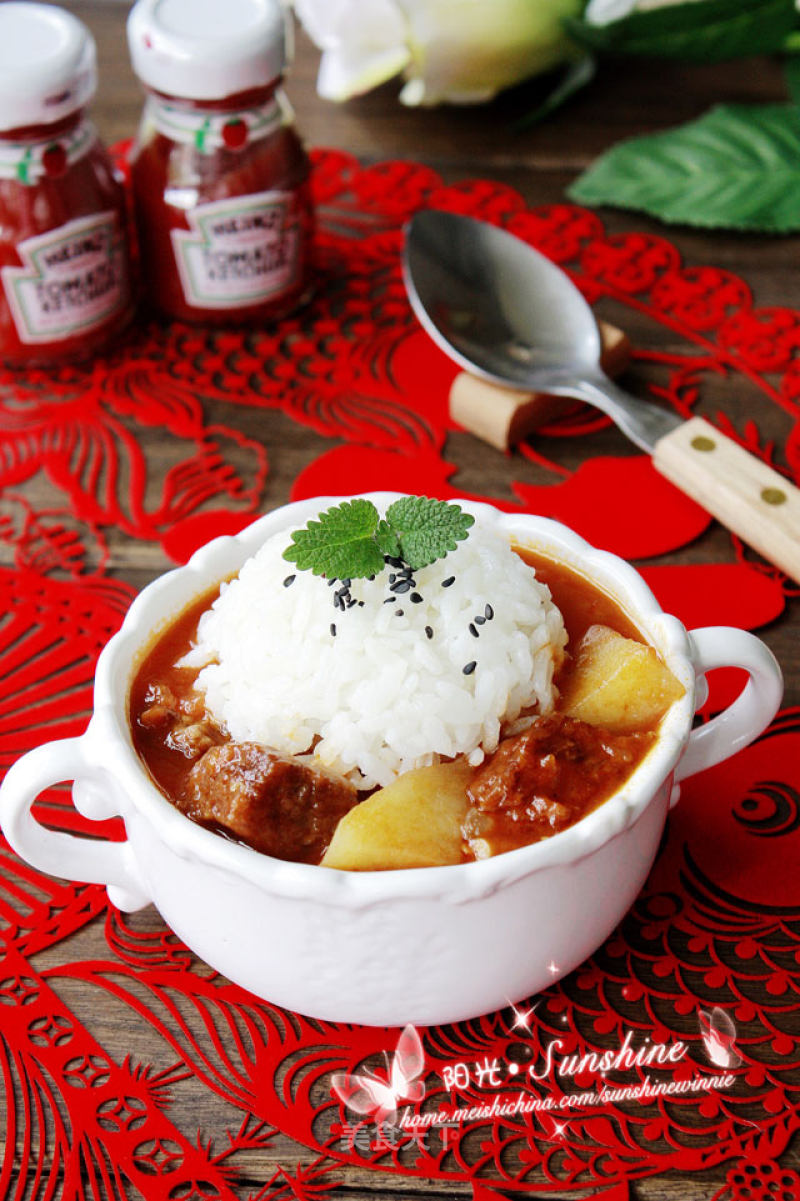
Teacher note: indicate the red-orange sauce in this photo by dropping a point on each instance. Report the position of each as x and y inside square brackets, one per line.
[167, 766]
[581, 603]
[504, 815]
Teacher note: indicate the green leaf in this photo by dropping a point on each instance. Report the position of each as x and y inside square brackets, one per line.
[696, 31]
[350, 540]
[341, 544]
[737, 167]
[387, 540]
[577, 75]
[427, 529]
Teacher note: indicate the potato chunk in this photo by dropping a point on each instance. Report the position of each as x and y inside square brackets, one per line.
[618, 683]
[414, 822]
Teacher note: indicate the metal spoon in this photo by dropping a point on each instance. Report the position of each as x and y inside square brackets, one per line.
[506, 313]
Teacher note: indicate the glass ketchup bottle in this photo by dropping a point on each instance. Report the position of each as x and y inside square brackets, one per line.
[220, 177]
[64, 265]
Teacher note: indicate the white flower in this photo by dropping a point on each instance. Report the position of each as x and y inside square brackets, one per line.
[602, 12]
[454, 51]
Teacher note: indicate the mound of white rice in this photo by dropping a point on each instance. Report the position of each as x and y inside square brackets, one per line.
[385, 685]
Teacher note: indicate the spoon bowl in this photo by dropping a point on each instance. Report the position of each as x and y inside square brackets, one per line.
[506, 313]
[497, 306]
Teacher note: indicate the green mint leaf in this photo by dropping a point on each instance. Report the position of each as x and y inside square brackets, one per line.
[696, 31]
[350, 540]
[737, 167]
[387, 540]
[340, 544]
[427, 529]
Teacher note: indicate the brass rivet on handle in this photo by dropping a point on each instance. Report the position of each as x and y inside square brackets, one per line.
[773, 496]
[702, 443]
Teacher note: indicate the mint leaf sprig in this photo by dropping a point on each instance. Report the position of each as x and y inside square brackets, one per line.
[351, 540]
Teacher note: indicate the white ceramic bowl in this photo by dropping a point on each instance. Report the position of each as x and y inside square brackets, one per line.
[425, 945]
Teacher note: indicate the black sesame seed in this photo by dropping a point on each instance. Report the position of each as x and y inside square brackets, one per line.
[332, 580]
[370, 578]
[393, 561]
[479, 621]
[428, 632]
[472, 630]
[389, 600]
[346, 583]
[415, 598]
[489, 612]
[398, 612]
[290, 579]
[333, 630]
[401, 586]
[468, 668]
[361, 604]
[392, 577]
[451, 579]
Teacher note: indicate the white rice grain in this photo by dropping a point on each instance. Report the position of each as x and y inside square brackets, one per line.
[380, 697]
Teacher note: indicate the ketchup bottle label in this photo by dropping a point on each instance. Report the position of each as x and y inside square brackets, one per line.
[238, 252]
[72, 279]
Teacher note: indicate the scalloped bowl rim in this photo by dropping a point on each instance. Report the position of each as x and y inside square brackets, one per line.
[154, 609]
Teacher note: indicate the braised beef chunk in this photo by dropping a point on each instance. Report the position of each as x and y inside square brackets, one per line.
[275, 805]
[165, 705]
[541, 781]
[193, 738]
[179, 715]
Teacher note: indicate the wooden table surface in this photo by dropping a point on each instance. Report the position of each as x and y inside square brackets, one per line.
[629, 98]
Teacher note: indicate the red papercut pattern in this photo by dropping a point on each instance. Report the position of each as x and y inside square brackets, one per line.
[717, 928]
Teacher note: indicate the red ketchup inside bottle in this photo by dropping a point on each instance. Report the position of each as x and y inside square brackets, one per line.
[220, 177]
[64, 265]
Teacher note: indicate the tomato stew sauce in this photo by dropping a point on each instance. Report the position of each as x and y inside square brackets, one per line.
[535, 784]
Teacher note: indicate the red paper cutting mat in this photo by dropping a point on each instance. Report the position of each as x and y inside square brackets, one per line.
[718, 924]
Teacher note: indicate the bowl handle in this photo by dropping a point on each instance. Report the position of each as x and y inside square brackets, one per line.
[93, 861]
[753, 709]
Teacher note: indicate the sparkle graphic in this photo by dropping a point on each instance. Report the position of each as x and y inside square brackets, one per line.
[559, 1128]
[522, 1017]
[553, 967]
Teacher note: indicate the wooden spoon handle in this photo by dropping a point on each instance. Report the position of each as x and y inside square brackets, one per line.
[744, 494]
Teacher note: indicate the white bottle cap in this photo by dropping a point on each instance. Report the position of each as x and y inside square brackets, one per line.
[208, 49]
[48, 65]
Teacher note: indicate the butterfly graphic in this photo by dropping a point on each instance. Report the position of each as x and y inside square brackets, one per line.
[368, 1094]
[719, 1034]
